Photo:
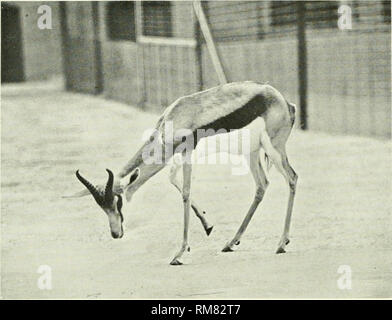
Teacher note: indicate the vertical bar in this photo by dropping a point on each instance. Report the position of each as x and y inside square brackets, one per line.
[157, 59]
[138, 18]
[302, 63]
[180, 71]
[198, 57]
[372, 107]
[209, 40]
[141, 70]
[190, 70]
[265, 23]
[357, 89]
[65, 43]
[169, 65]
[97, 49]
[147, 57]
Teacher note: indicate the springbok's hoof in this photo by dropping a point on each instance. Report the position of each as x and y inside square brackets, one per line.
[281, 245]
[227, 248]
[176, 262]
[280, 250]
[208, 230]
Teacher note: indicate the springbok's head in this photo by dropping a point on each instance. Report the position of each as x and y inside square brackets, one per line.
[109, 199]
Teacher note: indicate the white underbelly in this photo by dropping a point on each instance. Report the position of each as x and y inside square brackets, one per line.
[242, 141]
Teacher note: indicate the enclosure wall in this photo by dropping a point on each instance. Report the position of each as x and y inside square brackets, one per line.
[81, 47]
[42, 58]
[350, 93]
[160, 57]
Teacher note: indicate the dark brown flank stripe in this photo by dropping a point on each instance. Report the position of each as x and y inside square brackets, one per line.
[237, 119]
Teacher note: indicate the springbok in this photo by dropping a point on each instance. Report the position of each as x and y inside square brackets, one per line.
[236, 106]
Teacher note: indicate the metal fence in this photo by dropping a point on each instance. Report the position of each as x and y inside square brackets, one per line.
[348, 72]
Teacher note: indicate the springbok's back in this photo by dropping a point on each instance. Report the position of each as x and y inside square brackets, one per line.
[229, 107]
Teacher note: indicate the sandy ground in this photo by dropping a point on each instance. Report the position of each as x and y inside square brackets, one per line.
[342, 213]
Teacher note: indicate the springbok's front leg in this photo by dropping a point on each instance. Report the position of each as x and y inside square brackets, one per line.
[173, 179]
[186, 190]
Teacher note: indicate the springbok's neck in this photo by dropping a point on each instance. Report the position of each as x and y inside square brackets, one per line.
[148, 163]
[135, 162]
[146, 172]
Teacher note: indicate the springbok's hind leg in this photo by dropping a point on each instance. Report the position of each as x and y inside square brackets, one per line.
[291, 178]
[261, 185]
[277, 155]
[199, 213]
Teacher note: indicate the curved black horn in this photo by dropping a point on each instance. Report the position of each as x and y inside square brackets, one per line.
[109, 188]
[97, 196]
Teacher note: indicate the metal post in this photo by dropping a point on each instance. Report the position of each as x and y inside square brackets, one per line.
[141, 81]
[65, 43]
[198, 56]
[302, 63]
[97, 48]
[209, 41]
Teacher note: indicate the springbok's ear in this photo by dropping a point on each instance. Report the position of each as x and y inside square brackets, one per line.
[134, 176]
[128, 190]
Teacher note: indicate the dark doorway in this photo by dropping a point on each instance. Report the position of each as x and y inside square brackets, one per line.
[81, 46]
[11, 44]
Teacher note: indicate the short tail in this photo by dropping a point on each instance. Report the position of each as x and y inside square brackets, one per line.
[292, 110]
